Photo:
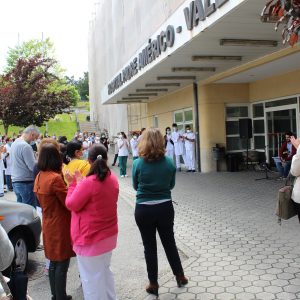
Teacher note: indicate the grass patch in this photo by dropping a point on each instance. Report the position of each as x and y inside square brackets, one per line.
[63, 124]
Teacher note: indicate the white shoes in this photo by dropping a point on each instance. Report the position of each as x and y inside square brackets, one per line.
[122, 176]
[126, 175]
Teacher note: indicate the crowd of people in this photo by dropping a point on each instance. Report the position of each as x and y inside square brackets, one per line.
[72, 186]
[77, 194]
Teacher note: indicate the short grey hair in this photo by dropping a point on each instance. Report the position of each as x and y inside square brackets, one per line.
[31, 129]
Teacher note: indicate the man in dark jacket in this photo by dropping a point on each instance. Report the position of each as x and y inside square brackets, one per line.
[286, 153]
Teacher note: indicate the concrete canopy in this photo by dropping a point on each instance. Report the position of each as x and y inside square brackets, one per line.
[240, 20]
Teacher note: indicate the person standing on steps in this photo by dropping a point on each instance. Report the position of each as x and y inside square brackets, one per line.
[153, 177]
[123, 147]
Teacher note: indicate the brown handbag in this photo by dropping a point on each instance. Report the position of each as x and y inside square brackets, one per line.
[285, 208]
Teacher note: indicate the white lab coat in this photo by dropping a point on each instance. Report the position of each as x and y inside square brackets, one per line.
[169, 146]
[178, 147]
[134, 147]
[190, 151]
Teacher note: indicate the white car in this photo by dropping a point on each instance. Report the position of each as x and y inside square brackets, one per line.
[23, 227]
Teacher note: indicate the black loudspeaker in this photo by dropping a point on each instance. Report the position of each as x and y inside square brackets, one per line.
[245, 128]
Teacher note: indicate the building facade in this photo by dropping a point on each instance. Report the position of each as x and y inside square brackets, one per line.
[204, 63]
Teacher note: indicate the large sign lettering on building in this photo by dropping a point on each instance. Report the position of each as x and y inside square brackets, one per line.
[197, 11]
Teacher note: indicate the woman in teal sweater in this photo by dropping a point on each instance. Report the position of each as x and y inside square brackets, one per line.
[153, 176]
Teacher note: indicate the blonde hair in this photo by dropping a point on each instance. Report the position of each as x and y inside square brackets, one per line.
[152, 145]
[48, 141]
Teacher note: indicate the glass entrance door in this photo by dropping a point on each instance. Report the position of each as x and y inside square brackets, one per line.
[278, 122]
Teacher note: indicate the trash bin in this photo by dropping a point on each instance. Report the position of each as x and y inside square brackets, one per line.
[232, 161]
[218, 153]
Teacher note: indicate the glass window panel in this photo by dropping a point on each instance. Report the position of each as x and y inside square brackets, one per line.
[232, 127]
[178, 117]
[188, 115]
[259, 142]
[258, 110]
[180, 127]
[236, 111]
[259, 126]
[235, 143]
[281, 102]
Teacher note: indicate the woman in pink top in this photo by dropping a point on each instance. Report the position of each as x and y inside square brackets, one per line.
[94, 224]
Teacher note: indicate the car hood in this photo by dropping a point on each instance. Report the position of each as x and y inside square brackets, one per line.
[15, 214]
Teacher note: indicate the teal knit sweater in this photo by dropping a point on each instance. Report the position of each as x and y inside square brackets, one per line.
[153, 180]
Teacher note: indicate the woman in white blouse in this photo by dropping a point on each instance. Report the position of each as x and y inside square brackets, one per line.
[123, 153]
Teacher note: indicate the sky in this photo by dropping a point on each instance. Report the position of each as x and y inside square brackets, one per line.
[65, 22]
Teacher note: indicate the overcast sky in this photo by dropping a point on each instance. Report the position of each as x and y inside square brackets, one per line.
[65, 22]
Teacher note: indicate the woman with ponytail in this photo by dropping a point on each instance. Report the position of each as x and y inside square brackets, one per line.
[94, 224]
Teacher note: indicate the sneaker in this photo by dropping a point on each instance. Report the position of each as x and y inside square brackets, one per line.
[122, 176]
[280, 178]
[193, 171]
[126, 175]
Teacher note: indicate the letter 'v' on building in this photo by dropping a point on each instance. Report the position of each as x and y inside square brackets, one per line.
[203, 63]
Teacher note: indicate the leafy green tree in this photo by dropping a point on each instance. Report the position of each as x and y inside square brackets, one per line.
[28, 49]
[31, 93]
[83, 86]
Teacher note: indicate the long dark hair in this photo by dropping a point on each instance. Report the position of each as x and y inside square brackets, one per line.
[98, 157]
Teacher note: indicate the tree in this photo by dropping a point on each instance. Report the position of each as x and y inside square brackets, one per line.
[83, 86]
[29, 49]
[31, 93]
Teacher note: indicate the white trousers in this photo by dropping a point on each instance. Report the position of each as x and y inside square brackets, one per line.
[96, 277]
[178, 165]
[170, 153]
[190, 159]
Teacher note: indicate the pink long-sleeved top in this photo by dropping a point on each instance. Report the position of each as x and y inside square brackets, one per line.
[94, 222]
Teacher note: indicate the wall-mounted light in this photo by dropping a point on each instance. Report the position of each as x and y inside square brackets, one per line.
[129, 101]
[246, 42]
[145, 94]
[162, 84]
[176, 78]
[135, 98]
[216, 57]
[194, 69]
[151, 90]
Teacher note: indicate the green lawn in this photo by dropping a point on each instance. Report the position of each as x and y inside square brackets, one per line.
[64, 124]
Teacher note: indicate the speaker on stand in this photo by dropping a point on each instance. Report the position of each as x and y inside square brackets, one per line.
[245, 131]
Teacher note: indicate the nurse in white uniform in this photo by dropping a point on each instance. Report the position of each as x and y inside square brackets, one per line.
[189, 142]
[169, 144]
[177, 138]
[134, 146]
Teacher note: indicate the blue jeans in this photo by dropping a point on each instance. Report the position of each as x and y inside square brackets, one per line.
[24, 192]
[284, 169]
[8, 182]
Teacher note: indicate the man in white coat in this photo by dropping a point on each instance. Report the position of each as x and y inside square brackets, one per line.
[177, 138]
[189, 142]
[134, 146]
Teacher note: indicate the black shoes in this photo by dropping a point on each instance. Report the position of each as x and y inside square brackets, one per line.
[152, 288]
[181, 280]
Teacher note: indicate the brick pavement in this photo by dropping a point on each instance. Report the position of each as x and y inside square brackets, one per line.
[225, 225]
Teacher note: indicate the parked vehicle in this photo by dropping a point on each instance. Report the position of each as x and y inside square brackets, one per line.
[23, 227]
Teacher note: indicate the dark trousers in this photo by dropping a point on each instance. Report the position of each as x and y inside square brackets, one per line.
[115, 159]
[8, 182]
[152, 218]
[58, 279]
[297, 207]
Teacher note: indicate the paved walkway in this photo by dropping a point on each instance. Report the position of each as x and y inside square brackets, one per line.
[228, 236]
